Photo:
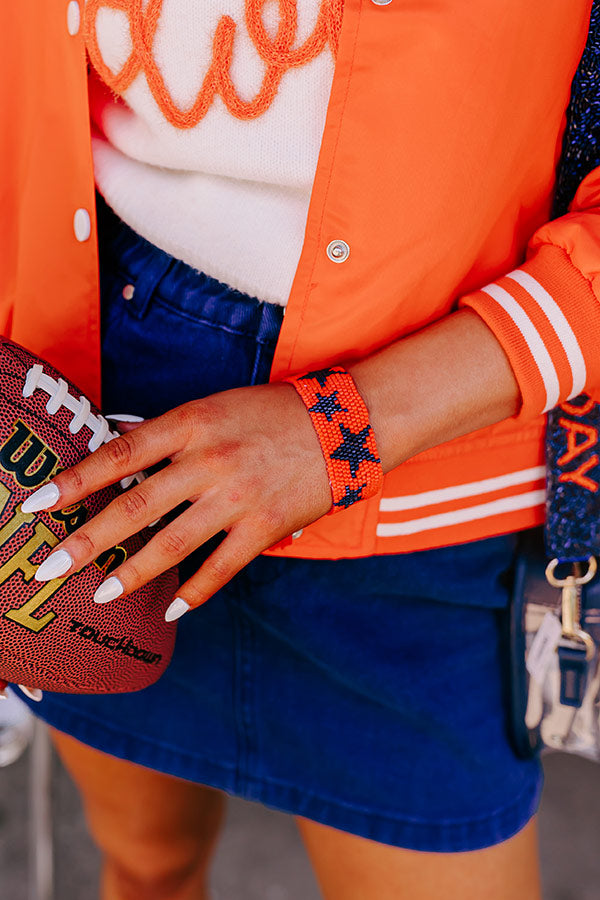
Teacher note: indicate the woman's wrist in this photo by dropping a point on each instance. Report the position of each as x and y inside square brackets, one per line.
[447, 380]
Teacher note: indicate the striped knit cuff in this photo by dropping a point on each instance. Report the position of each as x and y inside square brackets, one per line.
[341, 420]
[547, 318]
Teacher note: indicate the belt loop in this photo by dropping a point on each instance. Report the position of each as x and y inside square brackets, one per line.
[146, 282]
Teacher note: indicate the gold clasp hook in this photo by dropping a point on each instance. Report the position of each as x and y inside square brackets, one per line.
[571, 600]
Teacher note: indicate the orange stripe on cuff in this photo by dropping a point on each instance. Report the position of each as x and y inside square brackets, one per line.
[518, 351]
[548, 334]
[547, 319]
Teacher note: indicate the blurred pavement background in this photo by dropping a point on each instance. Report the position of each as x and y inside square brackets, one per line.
[260, 856]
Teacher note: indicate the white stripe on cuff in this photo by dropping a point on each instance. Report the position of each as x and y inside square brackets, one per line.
[459, 491]
[559, 323]
[536, 345]
[459, 516]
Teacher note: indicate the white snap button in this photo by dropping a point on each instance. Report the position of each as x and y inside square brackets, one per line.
[82, 225]
[128, 292]
[73, 17]
[381, 2]
[338, 251]
[297, 534]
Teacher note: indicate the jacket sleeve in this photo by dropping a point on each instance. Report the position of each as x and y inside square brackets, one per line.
[546, 313]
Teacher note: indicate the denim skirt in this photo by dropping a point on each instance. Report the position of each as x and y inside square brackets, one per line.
[366, 694]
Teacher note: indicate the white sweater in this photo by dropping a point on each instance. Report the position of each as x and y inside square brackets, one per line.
[208, 117]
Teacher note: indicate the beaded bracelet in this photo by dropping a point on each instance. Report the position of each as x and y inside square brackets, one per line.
[341, 420]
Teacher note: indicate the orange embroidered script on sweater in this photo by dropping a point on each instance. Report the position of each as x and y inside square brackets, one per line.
[277, 51]
[436, 168]
[207, 141]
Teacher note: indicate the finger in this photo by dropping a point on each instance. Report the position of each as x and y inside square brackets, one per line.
[125, 421]
[126, 515]
[168, 548]
[231, 556]
[122, 456]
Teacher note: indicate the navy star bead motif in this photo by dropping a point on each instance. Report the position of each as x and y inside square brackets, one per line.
[352, 449]
[328, 405]
[320, 374]
[351, 496]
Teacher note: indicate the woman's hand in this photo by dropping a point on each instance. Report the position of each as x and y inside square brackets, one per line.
[249, 461]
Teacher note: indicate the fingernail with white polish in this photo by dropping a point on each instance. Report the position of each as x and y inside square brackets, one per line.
[108, 590]
[177, 608]
[43, 498]
[32, 693]
[57, 564]
[123, 417]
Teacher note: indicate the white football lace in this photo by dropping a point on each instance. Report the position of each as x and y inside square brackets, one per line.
[58, 391]
[32, 693]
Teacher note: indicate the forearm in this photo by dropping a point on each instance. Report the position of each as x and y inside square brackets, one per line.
[449, 379]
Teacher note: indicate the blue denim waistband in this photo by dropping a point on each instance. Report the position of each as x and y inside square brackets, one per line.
[178, 285]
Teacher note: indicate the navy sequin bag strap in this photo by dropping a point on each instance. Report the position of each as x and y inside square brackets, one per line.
[554, 616]
[572, 452]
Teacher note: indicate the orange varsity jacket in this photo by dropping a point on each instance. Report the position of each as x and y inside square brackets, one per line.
[437, 168]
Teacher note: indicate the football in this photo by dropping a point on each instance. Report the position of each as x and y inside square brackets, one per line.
[52, 635]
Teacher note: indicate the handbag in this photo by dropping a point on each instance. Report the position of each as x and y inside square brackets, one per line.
[554, 634]
[554, 615]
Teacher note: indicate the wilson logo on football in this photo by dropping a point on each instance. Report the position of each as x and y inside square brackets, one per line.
[25, 456]
[31, 462]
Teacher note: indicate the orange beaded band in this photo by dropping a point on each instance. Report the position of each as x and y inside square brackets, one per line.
[341, 421]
